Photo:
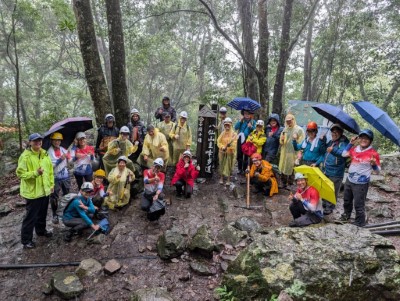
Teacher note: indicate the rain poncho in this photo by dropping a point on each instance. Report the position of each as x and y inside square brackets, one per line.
[288, 154]
[228, 139]
[183, 142]
[166, 128]
[266, 173]
[152, 148]
[258, 138]
[117, 148]
[119, 187]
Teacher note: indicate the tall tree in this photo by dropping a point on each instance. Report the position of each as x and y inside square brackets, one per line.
[117, 60]
[91, 59]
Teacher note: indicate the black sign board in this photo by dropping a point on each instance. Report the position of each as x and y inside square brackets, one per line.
[206, 140]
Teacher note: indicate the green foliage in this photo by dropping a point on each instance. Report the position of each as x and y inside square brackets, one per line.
[224, 294]
[297, 289]
[274, 297]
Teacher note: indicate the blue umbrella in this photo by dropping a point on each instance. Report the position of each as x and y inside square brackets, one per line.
[378, 119]
[336, 115]
[244, 103]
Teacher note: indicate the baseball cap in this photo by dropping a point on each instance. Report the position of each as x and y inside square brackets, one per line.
[35, 136]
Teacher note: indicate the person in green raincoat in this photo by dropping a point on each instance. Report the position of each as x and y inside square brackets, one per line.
[288, 154]
[226, 143]
[119, 147]
[155, 146]
[165, 127]
[119, 189]
[181, 136]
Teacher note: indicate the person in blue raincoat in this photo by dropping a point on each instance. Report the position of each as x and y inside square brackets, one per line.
[273, 131]
[244, 127]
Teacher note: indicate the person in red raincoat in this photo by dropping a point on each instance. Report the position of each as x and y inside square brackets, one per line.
[185, 175]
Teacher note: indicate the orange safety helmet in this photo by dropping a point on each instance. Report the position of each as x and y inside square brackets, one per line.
[312, 126]
[256, 156]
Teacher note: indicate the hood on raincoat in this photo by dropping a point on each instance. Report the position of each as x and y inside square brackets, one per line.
[291, 116]
[274, 116]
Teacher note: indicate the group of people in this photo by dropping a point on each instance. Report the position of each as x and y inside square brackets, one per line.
[125, 152]
[289, 146]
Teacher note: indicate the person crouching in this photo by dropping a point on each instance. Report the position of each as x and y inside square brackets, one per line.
[262, 176]
[185, 175]
[306, 205]
[78, 214]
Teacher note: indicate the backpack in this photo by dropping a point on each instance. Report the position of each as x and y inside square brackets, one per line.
[64, 203]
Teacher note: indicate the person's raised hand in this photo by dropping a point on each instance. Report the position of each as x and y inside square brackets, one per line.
[353, 139]
[329, 149]
[372, 160]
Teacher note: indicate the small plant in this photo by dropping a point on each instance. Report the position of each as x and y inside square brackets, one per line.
[274, 297]
[297, 289]
[224, 294]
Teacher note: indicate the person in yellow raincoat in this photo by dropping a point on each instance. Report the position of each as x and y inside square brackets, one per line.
[165, 127]
[258, 137]
[119, 147]
[226, 143]
[288, 154]
[119, 178]
[181, 136]
[262, 176]
[155, 145]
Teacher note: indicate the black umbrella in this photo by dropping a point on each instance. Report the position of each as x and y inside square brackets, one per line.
[336, 115]
[68, 128]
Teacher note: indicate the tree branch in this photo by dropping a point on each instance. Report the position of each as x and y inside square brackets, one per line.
[167, 12]
[393, 91]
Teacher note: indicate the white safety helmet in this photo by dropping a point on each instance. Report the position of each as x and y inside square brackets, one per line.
[124, 129]
[187, 154]
[227, 120]
[80, 135]
[87, 186]
[135, 112]
[158, 162]
[122, 158]
[223, 110]
[183, 114]
[260, 122]
[299, 176]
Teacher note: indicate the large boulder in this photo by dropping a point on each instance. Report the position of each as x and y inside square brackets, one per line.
[202, 242]
[67, 285]
[248, 224]
[170, 244]
[151, 294]
[334, 262]
[231, 235]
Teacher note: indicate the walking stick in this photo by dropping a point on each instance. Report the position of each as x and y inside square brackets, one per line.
[248, 184]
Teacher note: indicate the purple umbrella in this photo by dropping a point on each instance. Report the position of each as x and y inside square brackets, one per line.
[68, 128]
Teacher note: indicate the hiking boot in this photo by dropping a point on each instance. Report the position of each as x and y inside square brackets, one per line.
[358, 224]
[344, 217]
[29, 245]
[55, 219]
[46, 233]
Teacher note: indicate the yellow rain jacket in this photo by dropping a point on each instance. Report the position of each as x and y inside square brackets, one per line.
[288, 154]
[258, 139]
[119, 188]
[226, 158]
[166, 128]
[183, 142]
[266, 174]
[152, 148]
[117, 148]
[33, 185]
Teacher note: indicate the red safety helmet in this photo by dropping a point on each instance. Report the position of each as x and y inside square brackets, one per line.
[256, 156]
[312, 126]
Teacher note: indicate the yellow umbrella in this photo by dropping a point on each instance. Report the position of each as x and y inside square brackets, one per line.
[319, 181]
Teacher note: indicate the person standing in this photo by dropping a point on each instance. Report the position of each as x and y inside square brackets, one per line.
[226, 143]
[221, 118]
[257, 137]
[273, 131]
[181, 136]
[165, 128]
[37, 182]
[59, 157]
[364, 161]
[166, 107]
[82, 155]
[155, 146]
[137, 131]
[288, 154]
[106, 133]
[244, 127]
[333, 163]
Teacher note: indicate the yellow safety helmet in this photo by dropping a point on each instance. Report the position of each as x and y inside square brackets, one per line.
[100, 173]
[56, 136]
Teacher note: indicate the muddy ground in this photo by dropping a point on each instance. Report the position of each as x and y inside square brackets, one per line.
[133, 236]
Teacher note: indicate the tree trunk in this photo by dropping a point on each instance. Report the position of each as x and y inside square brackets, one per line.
[263, 46]
[91, 59]
[308, 63]
[245, 13]
[283, 58]
[117, 60]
